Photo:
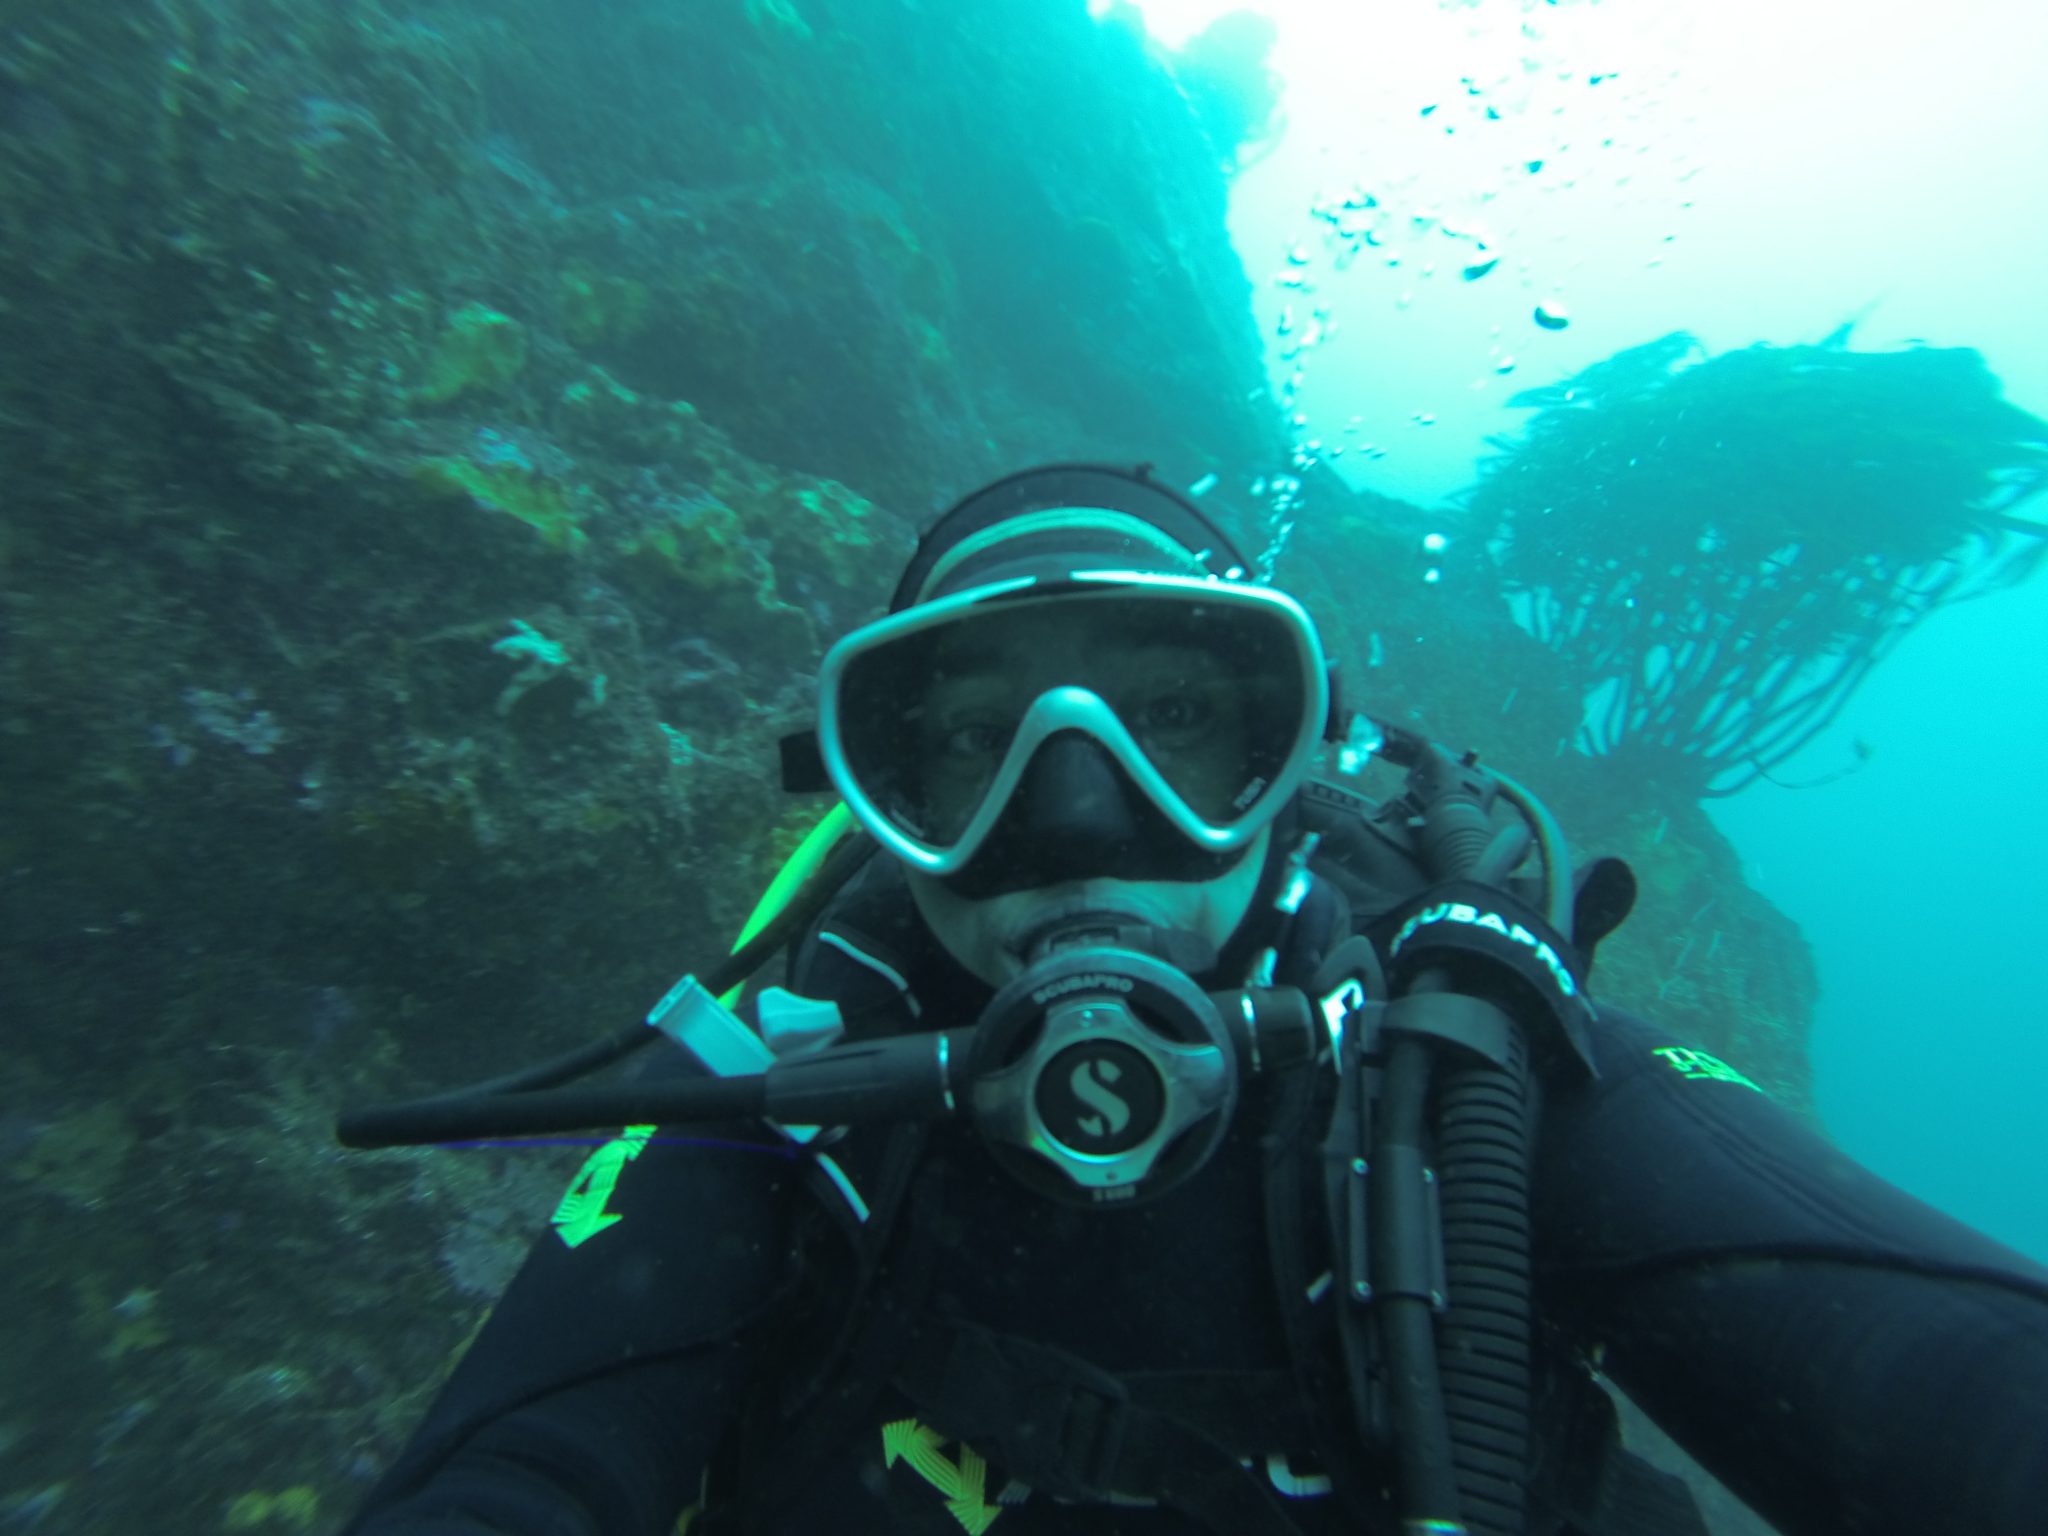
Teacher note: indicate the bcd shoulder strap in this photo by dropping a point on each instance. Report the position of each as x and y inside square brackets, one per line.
[1073, 1431]
[809, 1410]
[1049, 1418]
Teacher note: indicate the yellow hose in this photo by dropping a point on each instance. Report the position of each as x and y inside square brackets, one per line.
[796, 870]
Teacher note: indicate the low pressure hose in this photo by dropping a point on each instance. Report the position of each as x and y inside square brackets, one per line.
[1397, 1197]
[511, 1105]
[1461, 1382]
[1484, 1339]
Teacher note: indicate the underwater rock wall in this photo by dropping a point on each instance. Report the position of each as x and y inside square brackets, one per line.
[440, 440]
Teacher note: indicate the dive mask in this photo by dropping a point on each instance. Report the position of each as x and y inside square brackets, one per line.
[1209, 696]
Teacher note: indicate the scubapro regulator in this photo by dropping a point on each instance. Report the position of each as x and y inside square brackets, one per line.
[1102, 1075]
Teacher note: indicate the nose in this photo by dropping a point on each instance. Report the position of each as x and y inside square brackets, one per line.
[1073, 801]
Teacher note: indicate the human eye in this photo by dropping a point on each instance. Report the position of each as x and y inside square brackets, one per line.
[968, 717]
[965, 739]
[1175, 711]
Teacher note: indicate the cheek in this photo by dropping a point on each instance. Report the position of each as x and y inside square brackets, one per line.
[1004, 920]
[971, 931]
[979, 939]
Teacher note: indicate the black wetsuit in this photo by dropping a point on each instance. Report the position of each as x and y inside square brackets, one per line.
[1843, 1356]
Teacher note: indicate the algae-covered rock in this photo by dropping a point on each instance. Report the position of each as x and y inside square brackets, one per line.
[78, 1157]
[547, 507]
[480, 350]
[596, 307]
[296, 1508]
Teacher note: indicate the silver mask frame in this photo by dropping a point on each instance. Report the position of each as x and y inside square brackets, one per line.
[1072, 708]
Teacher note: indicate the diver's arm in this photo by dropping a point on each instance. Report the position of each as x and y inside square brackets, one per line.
[592, 1399]
[1843, 1356]
[617, 1455]
[1840, 1398]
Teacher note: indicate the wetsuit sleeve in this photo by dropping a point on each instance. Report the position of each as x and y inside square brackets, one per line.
[1843, 1356]
[592, 1399]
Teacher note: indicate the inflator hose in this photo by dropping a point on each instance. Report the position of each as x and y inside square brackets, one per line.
[1468, 1381]
[1461, 1394]
[827, 859]
[1397, 1199]
[1482, 1165]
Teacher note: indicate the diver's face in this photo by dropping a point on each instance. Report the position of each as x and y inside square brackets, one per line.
[1174, 697]
[988, 936]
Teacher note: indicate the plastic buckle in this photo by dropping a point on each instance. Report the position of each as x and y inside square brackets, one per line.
[695, 1019]
[794, 1025]
[1092, 1426]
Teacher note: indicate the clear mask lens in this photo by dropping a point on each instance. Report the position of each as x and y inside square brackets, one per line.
[1204, 703]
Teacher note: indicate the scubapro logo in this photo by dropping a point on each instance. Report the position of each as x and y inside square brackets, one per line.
[1491, 922]
[1089, 1083]
[1093, 981]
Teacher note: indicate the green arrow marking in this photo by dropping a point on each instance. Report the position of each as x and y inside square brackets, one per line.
[582, 1214]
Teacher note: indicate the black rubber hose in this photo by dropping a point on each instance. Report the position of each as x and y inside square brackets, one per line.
[1425, 1463]
[1483, 1342]
[539, 1113]
[839, 867]
[382, 1120]
[1480, 1373]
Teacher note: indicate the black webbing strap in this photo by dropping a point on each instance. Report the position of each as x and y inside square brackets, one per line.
[1297, 1251]
[830, 1402]
[1071, 1430]
[1245, 1411]
[871, 1326]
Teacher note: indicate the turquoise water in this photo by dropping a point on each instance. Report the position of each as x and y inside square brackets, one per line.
[1918, 881]
[1748, 173]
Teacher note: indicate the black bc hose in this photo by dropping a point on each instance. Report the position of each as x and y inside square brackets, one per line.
[512, 1105]
[1397, 1192]
[1460, 1384]
[1483, 1180]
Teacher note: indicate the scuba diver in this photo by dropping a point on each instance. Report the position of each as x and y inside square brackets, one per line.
[1156, 1132]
